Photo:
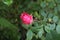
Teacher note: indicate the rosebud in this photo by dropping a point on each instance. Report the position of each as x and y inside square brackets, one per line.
[26, 18]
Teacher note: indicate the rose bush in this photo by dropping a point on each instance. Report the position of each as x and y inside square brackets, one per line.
[46, 14]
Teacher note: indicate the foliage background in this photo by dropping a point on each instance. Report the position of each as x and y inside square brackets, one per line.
[46, 14]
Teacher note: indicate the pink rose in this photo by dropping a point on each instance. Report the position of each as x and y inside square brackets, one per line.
[26, 18]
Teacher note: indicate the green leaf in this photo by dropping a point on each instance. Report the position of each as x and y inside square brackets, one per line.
[35, 24]
[58, 29]
[55, 19]
[58, 6]
[36, 15]
[40, 33]
[49, 36]
[26, 26]
[43, 13]
[57, 1]
[52, 26]
[47, 29]
[51, 4]
[50, 15]
[45, 19]
[37, 28]
[52, 36]
[43, 4]
[29, 35]
[55, 10]
[7, 2]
